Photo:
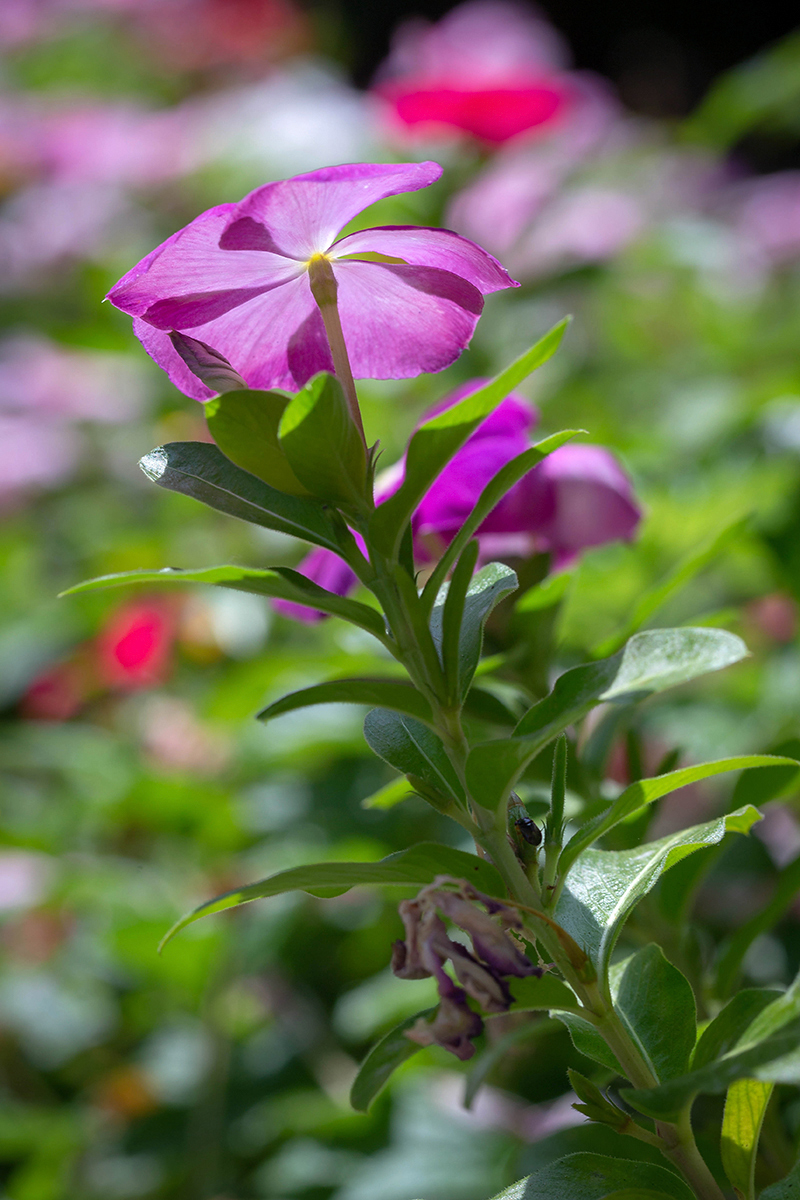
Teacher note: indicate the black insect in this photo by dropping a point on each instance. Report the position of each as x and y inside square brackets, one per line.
[528, 830]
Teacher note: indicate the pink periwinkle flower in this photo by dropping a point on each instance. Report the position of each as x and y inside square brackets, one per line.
[237, 278]
[489, 68]
[578, 497]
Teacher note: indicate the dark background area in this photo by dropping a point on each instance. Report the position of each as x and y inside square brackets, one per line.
[661, 56]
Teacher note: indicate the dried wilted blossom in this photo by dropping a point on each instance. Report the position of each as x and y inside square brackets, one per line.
[453, 1027]
[427, 947]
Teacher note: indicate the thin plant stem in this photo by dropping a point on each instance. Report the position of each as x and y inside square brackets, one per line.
[324, 289]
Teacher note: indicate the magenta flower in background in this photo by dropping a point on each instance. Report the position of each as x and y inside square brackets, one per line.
[578, 497]
[237, 278]
[489, 68]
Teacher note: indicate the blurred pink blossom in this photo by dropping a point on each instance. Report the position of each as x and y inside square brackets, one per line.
[34, 454]
[38, 376]
[118, 144]
[766, 216]
[24, 876]
[490, 68]
[50, 224]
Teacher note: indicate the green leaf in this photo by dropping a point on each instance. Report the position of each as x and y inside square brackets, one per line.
[244, 424]
[766, 1051]
[738, 943]
[586, 1176]
[393, 694]
[604, 885]
[588, 1041]
[437, 440]
[449, 626]
[653, 599]
[761, 91]
[531, 994]
[485, 706]
[645, 791]
[279, 583]
[663, 658]
[745, 1106]
[496, 1052]
[324, 448]
[490, 497]
[416, 866]
[651, 661]
[392, 793]
[656, 1003]
[413, 749]
[785, 1189]
[202, 471]
[383, 1059]
[729, 1025]
[485, 591]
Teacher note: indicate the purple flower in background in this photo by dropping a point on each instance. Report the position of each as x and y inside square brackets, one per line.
[578, 497]
[330, 572]
[237, 278]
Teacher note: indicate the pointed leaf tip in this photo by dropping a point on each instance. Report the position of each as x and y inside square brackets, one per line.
[155, 463]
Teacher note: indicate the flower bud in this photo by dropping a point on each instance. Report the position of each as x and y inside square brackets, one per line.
[207, 363]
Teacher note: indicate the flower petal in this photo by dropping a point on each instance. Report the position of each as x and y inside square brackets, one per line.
[400, 321]
[190, 265]
[430, 248]
[304, 214]
[276, 339]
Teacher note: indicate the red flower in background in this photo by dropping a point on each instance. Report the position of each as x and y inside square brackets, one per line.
[489, 68]
[135, 648]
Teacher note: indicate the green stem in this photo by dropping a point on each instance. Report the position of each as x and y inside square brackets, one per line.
[324, 289]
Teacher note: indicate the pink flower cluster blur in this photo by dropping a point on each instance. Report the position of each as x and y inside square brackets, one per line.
[46, 392]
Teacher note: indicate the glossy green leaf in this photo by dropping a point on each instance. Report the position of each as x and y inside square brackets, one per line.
[784, 1189]
[735, 947]
[586, 1176]
[324, 448]
[656, 1003]
[768, 1050]
[651, 662]
[413, 749]
[655, 597]
[383, 1059]
[416, 866]
[490, 497]
[745, 1106]
[604, 885]
[436, 441]
[646, 791]
[244, 424]
[279, 583]
[486, 590]
[394, 694]
[202, 471]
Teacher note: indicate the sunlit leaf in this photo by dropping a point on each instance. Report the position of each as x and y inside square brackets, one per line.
[417, 866]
